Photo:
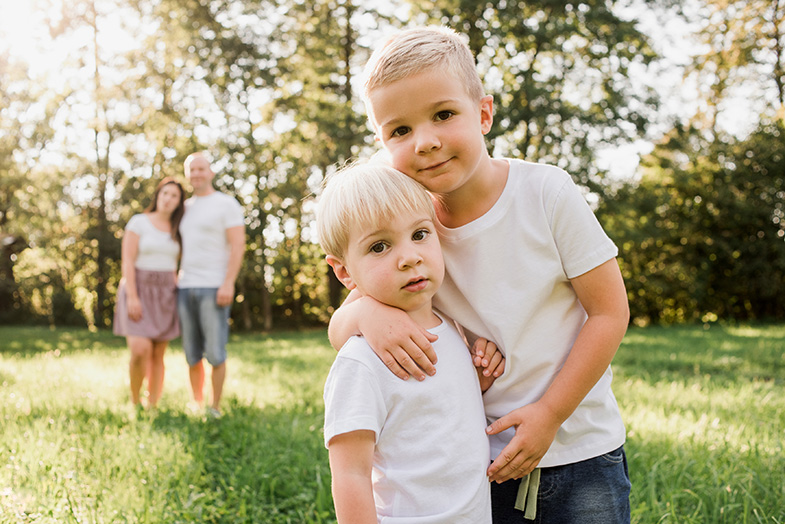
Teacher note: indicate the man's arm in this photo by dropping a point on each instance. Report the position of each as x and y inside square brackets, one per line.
[235, 236]
[351, 462]
[603, 296]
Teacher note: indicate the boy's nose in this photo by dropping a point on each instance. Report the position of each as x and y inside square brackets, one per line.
[427, 141]
[409, 257]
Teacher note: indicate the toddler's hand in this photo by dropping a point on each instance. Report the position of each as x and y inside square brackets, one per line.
[488, 360]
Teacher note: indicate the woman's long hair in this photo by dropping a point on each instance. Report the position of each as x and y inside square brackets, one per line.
[178, 212]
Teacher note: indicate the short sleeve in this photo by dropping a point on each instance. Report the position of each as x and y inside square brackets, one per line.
[582, 243]
[352, 399]
[136, 224]
[233, 213]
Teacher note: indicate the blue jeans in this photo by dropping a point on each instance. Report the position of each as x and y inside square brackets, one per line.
[204, 325]
[593, 491]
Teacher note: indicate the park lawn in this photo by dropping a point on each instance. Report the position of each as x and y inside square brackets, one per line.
[704, 409]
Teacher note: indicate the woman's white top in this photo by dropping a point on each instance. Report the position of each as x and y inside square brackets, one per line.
[157, 251]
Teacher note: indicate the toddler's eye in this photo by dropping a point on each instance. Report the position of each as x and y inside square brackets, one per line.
[399, 131]
[420, 234]
[443, 115]
[377, 248]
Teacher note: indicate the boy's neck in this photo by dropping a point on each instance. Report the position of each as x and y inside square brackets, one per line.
[425, 318]
[476, 197]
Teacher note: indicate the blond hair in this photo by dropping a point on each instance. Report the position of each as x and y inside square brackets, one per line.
[366, 192]
[421, 49]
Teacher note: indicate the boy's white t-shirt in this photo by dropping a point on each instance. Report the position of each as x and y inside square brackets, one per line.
[431, 450]
[157, 250]
[205, 247]
[507, 280]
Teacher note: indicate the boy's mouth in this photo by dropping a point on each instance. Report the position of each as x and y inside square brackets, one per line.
[436, 166]
[416, 284]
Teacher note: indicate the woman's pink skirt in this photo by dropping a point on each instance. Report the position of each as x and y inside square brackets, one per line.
[158, 294]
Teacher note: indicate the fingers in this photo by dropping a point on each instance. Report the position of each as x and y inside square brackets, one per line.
[392, 364]
[496, 366]
[415, 361]
[500, 424]
[134, 313]
[490, 352]
[223, 299]
[509, 465]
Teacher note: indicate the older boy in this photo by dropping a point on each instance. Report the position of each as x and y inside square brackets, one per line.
[400, 451]
[527, 266]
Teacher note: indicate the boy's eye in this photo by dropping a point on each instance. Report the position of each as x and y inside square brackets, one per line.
[377, 247]
[399, 131]
[420, 234]
[443, 115]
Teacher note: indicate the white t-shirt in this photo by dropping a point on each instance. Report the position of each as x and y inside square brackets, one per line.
[205, 247]
[157, 251]
[431, 449]
[508, 281]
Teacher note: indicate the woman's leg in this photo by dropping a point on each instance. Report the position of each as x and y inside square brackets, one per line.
[155, 377]
[141, 352]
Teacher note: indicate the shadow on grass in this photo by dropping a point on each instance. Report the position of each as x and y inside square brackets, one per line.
[29, 341]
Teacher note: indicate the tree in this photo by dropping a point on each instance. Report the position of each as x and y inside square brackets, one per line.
[702, 235]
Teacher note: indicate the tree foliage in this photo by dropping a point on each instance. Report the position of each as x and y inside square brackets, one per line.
[266, 87]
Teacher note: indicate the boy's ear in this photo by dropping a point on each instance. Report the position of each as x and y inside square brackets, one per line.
[341, 272]
[486, 113]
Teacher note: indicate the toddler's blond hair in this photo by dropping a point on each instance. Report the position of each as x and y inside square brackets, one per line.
[366, 192]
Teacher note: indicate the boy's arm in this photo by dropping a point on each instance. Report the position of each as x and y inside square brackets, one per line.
[403, 346]
[603, 296]
[351, 462]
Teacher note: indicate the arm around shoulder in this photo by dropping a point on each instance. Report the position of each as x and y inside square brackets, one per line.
[403, 346]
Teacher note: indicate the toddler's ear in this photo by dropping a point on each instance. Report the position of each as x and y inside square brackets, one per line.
[341, 272]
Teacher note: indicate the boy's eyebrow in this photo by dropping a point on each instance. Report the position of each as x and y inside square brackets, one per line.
[396, 119]
[383, 229]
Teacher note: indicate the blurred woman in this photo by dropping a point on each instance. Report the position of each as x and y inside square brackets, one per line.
[146, 311]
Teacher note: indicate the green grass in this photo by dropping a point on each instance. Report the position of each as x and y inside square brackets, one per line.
[704, 408]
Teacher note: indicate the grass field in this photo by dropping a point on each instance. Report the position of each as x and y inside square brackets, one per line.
[704, 408]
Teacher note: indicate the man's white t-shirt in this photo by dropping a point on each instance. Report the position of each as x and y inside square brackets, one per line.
[205, 247]
[431, 450]
[157, 250]
[507, 280]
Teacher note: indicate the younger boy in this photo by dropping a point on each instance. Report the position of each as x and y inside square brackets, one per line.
[400, 451]
[527, 267]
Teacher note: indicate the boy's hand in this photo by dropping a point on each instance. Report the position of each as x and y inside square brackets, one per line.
[404, 346]
[535, 428]
[488, 360]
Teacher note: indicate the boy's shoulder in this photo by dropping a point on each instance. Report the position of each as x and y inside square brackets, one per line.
[535, 170]
[536, 180]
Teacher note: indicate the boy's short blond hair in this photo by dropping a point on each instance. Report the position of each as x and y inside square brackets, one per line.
[368, 192]
[421, 49]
